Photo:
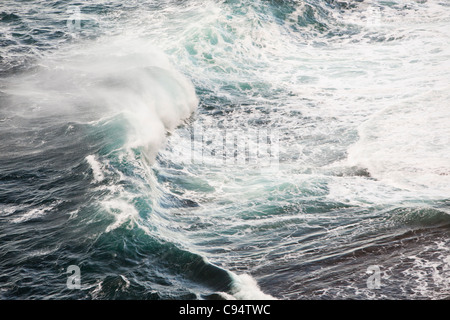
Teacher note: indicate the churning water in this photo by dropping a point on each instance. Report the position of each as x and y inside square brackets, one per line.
[242, 149]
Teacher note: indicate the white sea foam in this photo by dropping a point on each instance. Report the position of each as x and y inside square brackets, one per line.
[408, 145]
[123, 212]
[245, 287]
[32, 214]
[96, 168]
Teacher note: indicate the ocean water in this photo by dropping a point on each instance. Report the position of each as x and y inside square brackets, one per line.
[233, 149]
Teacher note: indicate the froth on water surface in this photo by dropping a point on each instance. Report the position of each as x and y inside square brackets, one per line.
[224, 149]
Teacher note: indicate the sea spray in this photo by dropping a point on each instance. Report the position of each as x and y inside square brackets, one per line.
[110, 77]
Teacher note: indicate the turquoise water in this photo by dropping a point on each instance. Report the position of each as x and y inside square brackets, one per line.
[224, 149]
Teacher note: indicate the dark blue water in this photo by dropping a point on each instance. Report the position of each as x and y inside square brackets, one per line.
[211, 149]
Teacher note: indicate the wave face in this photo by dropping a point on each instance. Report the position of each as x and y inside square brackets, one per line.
[235, 149]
